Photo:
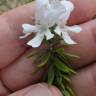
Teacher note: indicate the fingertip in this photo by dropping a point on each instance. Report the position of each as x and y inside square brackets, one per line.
[84, 11]
[55, 91]
[38, 89]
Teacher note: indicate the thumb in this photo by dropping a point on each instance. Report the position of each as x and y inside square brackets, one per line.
[38, 89]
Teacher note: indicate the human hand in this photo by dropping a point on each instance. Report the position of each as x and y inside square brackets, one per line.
[16, 68]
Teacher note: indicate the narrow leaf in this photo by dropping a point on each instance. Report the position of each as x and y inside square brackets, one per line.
[71, 55]
[66, 93]
[44, 61]
[67, 78]
[51, 75]
[60, 50]
[62, 67]
[70, 90]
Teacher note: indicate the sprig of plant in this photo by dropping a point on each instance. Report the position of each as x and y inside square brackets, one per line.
[51, 28]
[57, 62]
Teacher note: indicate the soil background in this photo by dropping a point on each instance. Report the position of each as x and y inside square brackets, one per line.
[6, 5]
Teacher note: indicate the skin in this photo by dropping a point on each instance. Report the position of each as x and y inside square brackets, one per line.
[16, 78]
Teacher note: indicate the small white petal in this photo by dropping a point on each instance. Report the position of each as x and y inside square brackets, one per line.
[41, 10]
[49, 35]
[27, 28]
[58, 30]
[40, 3]
[27, 34]
[68, 5]
[75, 28]
[63, 18]
[36, 41]
[52, 16]
[54, 12]
[67, 38]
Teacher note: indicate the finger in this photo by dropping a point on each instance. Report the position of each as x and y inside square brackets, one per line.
[38, 89]
[84, 10]
[10, 29]
[3, 90]
[84, 82]
[86, 45]
[11, 47]
[21, 70]
[21, 74]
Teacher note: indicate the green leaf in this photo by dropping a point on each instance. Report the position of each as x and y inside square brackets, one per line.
[51, 75]
[64, 59]
[44, 60]
[71, 55]
[58, 77]
[62, 67]
[70, 90]
[62, 86]
[59, 50]
[67, 78]
[35, 52]
[32, 54]
[60, 53]
[66, 93]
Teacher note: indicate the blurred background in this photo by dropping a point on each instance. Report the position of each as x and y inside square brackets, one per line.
[6, 5]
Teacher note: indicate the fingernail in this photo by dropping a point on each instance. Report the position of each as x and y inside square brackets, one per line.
[39, 90]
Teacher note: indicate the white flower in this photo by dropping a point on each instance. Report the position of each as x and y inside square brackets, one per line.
[55, 10]
[41, 28]
[62, 29]
[48, 13]
[64, 32]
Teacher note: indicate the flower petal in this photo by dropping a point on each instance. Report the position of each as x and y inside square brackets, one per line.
[36, 41]
[58, 30]
[69, 7]
[27, 34]
[54, 12]
[40, 5]
[27, 28]
[67, 38]
[74, 28]
[49, 35]
[41, 10]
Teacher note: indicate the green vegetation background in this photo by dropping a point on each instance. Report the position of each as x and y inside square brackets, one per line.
[6, 5]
